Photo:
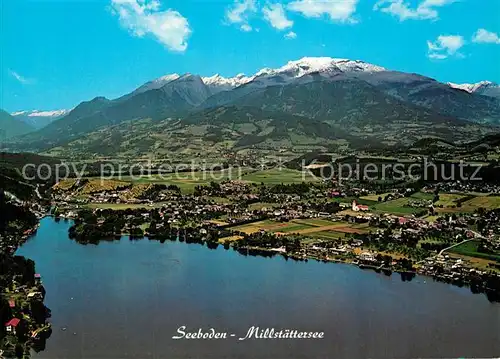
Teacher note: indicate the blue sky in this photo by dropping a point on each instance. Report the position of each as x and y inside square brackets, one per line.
[57, 53]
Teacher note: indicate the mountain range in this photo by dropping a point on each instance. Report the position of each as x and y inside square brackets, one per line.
[22, 122]
[39, 119]
[11, 127]
[311, 101]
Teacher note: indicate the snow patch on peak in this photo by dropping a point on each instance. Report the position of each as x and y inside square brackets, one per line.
[155, 84]
[326, 67]
[471, 88]
[37, 113]
[219, 83]
[265, 71]
[56, 113]
[166, 79]
[308, 65]
[18, 113]
[39, 119]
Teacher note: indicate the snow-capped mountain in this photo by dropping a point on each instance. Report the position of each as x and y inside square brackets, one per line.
[37, 113]
[155, 84]
[310, 69]
[189, 88]
[485, 88]
[309, 65]
[293, 70]
[324, 66]
[39, 119]
[218, 83]
[339, 91]
[472, 87]
[299, 72]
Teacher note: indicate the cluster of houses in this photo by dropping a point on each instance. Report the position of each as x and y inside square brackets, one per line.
[178, 208]
[9, 243]
[464, 187]
[330, 251]
[419, 203]
[448, 268]
[19, 324]
[234, 187]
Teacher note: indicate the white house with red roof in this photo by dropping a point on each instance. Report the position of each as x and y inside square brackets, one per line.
[359, 207]
[12, 325]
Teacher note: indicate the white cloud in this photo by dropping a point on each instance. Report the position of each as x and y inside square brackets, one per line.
[337, 10]
[239, 12]
[291, 35]
[143, 17]
[485, 37]
[445, 46]
[246, 28]
[20, 78]
[403, 10]
[275, 15]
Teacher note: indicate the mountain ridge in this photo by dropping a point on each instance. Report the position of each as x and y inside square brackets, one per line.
[486, 88]
[351, 93]
[11, 127]
[39, 119]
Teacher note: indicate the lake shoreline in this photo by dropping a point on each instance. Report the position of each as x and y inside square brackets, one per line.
[197, 235]
[92, 275]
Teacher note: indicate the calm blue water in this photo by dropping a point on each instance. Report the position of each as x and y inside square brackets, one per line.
[126, 299]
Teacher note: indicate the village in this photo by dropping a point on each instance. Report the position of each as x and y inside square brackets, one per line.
[403, 230]
[22, 312]
[437, 230]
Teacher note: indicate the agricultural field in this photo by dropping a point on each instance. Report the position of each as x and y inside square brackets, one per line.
[294, 227]
[187, 181]
[396, 207]
[485, 202]
[230, 239]
[431, 219]
[64, 185]
[261, 205]
[255, 227]
[317, 222]
[123, 206]
[448, 199]
[314, 227]
[479, 263]
[97, 185]
[470, 249]
[90, 186]
[278, 176]
[374, 197]
[448, 202]
[327, 235]
[423, 196]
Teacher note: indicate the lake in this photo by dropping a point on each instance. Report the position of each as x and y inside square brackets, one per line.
[126, 299]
